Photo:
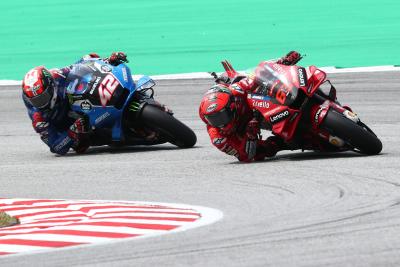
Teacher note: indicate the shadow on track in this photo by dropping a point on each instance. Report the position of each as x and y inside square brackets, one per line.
[310, 155]
[123, 149]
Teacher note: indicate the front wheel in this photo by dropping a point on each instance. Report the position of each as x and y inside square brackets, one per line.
[172, 129]
[359, 137]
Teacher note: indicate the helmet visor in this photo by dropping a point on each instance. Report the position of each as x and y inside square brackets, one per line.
[221, 118]
[42, 100]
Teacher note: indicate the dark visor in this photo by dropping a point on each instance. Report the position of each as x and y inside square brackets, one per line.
[42, 100]
[220, 119]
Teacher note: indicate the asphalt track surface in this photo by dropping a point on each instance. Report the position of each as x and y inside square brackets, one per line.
[297, 209]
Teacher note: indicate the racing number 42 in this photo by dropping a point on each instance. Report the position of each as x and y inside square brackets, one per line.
[107, 88]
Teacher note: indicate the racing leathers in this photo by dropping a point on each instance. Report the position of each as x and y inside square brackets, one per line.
[241, 137]
[53, 124]
[60, 128]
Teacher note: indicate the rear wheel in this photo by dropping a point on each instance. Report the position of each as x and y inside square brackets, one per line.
[172, 129]
[358, 136]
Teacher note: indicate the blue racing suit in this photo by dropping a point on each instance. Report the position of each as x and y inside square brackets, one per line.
[53, 124]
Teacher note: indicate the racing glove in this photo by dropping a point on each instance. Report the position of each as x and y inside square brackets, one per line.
[117, 58]
[290, 59]
[94, 55]
[78, 129]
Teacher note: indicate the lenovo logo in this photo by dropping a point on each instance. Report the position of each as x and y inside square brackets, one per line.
[278, 117]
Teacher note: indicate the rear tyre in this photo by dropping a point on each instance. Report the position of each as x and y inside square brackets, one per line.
[359, 137]
[172, 129]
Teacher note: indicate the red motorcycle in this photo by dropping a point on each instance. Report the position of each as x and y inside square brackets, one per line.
[290, 102]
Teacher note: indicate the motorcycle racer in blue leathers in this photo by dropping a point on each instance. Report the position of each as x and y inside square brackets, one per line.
[44, 95]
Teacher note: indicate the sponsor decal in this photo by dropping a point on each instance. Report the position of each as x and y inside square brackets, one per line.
[219, 141]
[230, 150]
[31, 77]
[71, 86]
[260, 104]
[34, 90]
[294, 116]
[237, 88]
[350, 115]
[124, 74]
[102, 118]
[105, 68]
[316, 117]
[217, 88]
[279, 117]
[212, 107]
[41, 126]
[45, 137]
[277, 67]
[90, 65]
[212, 97]
[336, 141]
[94, 85]
[63, 143]
[86, 105]
[107, 88]
[302, 76]
[259, 97]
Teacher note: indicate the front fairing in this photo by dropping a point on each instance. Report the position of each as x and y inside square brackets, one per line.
[278, 81]
[100, 91]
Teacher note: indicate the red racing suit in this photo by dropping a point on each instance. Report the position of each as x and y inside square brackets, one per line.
[234, 141]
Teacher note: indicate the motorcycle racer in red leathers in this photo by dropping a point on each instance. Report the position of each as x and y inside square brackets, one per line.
[231, 125]
[44, 95]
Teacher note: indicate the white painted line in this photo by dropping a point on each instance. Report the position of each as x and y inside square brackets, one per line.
[50, 215]
[29, 211]
[10, 82]
[206, 75]
[60, 238]
[360, 69]
[140, 221]
[18, 248]
[121, 214]
[110, 229]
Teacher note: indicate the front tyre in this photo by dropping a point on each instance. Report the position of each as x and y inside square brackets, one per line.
[356, 135]
[172, 129]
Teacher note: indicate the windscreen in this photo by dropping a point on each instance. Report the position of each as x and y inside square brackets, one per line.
[275, 80]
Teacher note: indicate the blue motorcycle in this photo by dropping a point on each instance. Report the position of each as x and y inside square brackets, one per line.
[122, 112]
